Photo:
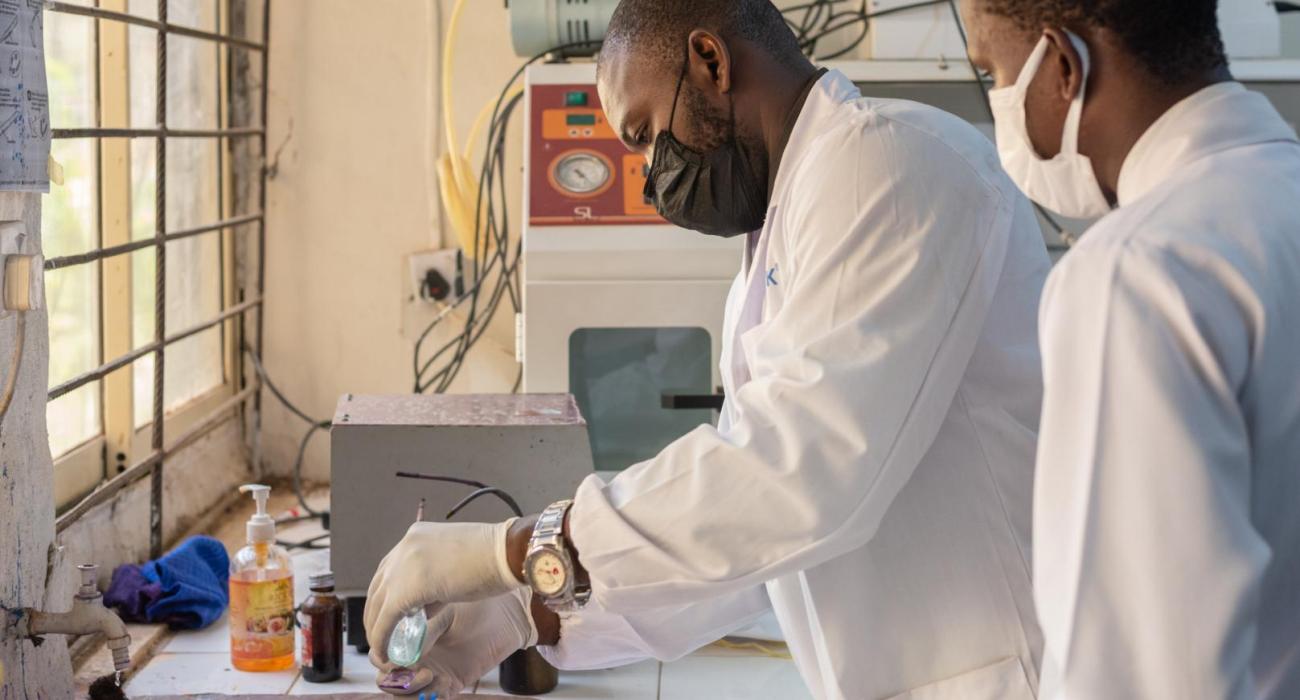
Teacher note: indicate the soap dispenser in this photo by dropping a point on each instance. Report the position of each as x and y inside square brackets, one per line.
[261, 595]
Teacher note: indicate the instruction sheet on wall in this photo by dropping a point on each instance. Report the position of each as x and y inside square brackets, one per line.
[24, 98]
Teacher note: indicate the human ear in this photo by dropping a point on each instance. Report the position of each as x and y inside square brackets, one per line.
[711, 54]
[1069, 61]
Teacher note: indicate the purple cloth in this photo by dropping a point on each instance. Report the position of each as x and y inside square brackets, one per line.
[187, 588]
[131, 593]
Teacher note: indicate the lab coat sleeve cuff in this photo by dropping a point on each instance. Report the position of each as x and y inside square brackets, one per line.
[594, 639]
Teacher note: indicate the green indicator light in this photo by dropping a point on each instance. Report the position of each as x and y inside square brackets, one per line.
[575, 99]
[580, 120]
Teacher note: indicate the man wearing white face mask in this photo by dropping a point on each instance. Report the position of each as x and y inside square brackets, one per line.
[1167, 496]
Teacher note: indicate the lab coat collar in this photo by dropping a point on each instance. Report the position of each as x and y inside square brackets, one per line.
[831, 91]
[1217, 118]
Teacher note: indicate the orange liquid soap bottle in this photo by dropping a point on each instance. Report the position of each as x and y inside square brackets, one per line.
[261, 596]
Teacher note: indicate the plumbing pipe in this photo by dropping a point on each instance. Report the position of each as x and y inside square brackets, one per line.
[88, 616]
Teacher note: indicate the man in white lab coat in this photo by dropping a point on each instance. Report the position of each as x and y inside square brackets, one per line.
[1167, 502]
[870, 478]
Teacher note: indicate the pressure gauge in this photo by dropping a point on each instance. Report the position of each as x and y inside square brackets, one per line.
[581, 173]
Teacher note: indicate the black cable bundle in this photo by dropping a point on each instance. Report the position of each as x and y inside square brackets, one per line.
[494, 258]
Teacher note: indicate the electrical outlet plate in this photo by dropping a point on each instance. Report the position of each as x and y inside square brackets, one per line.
[444, 261]
[16, 270]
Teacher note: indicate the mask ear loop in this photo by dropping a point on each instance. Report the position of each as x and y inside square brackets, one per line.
[1074, 117]
[681, 79]
[649, 190]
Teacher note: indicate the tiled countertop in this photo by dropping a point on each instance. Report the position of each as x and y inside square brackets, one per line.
[199, 662]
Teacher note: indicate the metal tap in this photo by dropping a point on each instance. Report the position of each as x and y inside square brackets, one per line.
[88, 616]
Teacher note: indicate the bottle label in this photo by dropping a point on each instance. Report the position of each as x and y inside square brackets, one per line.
[261, 619]
[304, 624]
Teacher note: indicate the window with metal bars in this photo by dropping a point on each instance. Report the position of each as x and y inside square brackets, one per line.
[154, 240]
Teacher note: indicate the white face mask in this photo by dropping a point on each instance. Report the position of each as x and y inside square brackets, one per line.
[1065, 184]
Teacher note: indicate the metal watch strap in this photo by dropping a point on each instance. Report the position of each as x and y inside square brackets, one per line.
[549, 532]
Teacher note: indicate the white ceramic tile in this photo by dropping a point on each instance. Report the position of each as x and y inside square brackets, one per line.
[636, 682]
[731, 678]
[168, 674]
[214, 639]
[358, 677]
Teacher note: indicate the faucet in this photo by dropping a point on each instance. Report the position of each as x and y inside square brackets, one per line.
[88, 616]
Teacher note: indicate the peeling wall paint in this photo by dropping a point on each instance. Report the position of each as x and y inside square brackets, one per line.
[27, 498]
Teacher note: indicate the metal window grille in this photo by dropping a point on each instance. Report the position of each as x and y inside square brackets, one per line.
[160, 451]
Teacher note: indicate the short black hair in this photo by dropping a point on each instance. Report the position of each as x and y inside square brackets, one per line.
[660, 28]
[1175, 40]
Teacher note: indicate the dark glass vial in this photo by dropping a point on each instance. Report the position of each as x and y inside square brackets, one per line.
[321, 619]
[526, 672]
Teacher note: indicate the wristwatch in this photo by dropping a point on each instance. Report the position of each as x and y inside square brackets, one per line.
[549, 569]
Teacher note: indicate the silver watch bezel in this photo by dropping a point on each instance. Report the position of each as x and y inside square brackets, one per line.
[548, 538]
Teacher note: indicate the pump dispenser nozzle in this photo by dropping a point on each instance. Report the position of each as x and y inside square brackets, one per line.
[261, 527]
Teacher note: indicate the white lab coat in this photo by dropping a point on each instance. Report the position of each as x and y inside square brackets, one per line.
[1167, 504]
[870, 480]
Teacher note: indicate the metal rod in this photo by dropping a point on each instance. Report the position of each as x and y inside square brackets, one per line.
[144, 467]
[160, 294]
[132, 474]
[160, 24]
[104, 133]
[261, 228]
[123, 249]
[110, 367]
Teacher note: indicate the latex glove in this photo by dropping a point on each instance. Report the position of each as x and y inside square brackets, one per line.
[436, 564]
[464, 641]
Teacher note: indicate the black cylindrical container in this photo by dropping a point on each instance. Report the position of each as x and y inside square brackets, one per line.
[321, 619]
[525, 672]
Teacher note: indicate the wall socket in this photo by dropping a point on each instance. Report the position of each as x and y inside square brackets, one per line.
[442, 262]
[22, 277]
[22, 285]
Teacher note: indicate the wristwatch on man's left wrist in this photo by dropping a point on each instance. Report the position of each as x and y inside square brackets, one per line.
[548, 567]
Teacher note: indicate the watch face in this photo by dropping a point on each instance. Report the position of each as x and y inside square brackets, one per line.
[548, 574]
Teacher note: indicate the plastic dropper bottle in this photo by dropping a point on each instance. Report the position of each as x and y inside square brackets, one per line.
[261, 595]
[407, 640]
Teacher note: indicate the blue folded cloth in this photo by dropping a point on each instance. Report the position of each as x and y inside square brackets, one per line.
[131, 593]
[187, 588]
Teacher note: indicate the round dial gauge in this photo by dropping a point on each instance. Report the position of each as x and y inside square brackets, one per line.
[548, 574]
[581, 173]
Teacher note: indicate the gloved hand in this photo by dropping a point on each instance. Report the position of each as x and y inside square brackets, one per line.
[464, 641]
[436, 564]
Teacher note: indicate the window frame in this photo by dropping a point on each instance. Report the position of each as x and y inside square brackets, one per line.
[123, 454]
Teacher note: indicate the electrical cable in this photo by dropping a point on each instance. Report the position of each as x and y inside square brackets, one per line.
[15, 365]
[486, 491]
[495, 149]
[316, 425]
[297, 472]
[860, 16]
[309, 543]
[266, 379]
[447, 479]
[1285, 7]
[490, 252]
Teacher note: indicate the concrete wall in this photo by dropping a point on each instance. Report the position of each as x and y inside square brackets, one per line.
[27, 499]
[351, 87]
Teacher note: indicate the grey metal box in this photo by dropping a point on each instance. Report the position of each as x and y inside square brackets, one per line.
[533, 446]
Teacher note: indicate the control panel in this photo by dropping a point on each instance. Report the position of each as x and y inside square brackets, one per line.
[579, 173]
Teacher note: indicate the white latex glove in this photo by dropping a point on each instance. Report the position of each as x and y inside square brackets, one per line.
[436, 564]
[464, 641]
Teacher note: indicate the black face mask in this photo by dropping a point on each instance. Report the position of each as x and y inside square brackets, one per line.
[713, 192]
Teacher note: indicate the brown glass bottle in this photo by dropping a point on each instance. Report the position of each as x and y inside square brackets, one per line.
[321, 619]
